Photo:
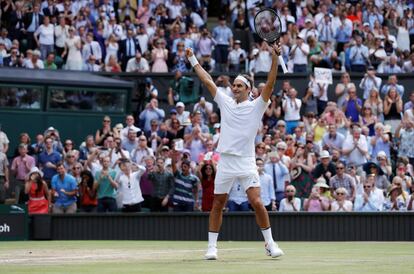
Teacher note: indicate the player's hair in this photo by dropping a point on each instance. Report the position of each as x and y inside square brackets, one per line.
[248, 79]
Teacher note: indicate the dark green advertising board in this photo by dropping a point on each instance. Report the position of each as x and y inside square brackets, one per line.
[13, 222]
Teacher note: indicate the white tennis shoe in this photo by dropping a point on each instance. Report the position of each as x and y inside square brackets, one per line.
[273, 250]
[211, 253]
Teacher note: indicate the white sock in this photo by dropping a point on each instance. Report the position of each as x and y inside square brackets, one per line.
[212, 238]
[267, 235]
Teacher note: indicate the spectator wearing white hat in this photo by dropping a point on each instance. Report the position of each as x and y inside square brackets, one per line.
[182, 115]
[299, 54]
[236, 58]
[35, 62]
[325, 168]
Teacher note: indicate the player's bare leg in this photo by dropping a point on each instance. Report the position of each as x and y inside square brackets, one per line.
[262, 219]
[215, 220]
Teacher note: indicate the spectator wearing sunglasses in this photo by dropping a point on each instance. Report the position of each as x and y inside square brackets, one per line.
[341, 204]
[369, 200]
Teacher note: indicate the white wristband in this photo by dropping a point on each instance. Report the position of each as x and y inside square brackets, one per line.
[193, 60]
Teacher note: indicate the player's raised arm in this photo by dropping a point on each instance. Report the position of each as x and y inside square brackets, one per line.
[271, 77]
[201, 73]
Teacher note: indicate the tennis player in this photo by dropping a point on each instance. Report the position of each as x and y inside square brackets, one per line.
[240, 120]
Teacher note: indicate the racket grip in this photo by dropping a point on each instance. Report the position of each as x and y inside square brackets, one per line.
[282, 63]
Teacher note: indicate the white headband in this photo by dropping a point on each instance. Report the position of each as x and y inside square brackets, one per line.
[244, 80]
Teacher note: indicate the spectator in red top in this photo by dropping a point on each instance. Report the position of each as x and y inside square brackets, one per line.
[207, 175]
[88, 200]
[36, 188]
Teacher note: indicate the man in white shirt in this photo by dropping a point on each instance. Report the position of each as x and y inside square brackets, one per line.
[355, 148]
[137, 64]
[182, 115]
[369, 82]
[299, 55]
[129, 186]
[35, 62]
[240, 120]
[91, 48]
[291, 107]
[309, 30]
[61, 34]
[236, 58]
[369, 200]
[129, 121]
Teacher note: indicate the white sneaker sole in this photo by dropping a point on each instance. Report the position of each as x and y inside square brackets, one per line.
[210, 257]
[275, 255]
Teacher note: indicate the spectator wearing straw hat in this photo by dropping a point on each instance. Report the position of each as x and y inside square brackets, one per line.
[394, 201]
[318, 200]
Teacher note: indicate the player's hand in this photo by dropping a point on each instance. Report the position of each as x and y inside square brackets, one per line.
[276, 48]
[189, 52]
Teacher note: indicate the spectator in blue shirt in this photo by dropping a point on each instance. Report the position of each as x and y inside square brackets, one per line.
[151, 112]
[48, 160]
[64, 189]
[343, 34]
[224, 38]
[392, 82]
[352, 106]
[359, 56]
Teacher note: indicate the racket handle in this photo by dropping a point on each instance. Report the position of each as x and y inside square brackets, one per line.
[282, 63]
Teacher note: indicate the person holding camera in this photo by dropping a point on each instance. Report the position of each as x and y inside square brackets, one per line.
[290, 203]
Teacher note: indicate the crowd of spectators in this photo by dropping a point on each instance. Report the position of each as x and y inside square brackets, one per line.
[313, 154]
[151, 35]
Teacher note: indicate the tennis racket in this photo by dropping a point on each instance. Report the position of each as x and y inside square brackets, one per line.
[268, 26]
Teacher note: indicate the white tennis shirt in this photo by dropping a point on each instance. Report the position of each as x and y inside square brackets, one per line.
[239, 124]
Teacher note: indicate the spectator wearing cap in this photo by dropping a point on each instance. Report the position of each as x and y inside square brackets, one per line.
[369, 200]
[91, 47]
[236, 58]
[359, 56]
[355, 148]
[392, 83]
[325, 168]
[369, 82]
[137, 64]
[128, 48]
[291, 107]
[278, 171]
[182, 115]
[309, 30]
[299, 54]
[34, 62]
[224, 38]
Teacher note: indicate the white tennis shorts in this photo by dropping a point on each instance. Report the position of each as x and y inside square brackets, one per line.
[231, 168]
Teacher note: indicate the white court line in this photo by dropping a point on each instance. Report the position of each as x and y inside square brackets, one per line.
[82, 257]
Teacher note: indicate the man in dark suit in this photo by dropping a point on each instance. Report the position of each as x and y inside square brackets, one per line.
[51, 10]
[128, 48]
[32, 21]
[13, 60]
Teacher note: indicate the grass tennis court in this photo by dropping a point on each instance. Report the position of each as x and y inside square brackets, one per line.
[186, 257]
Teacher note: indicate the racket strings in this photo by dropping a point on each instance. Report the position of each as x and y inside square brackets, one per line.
[268, 25]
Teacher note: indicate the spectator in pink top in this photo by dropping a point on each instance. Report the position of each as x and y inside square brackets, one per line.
[20, 167]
